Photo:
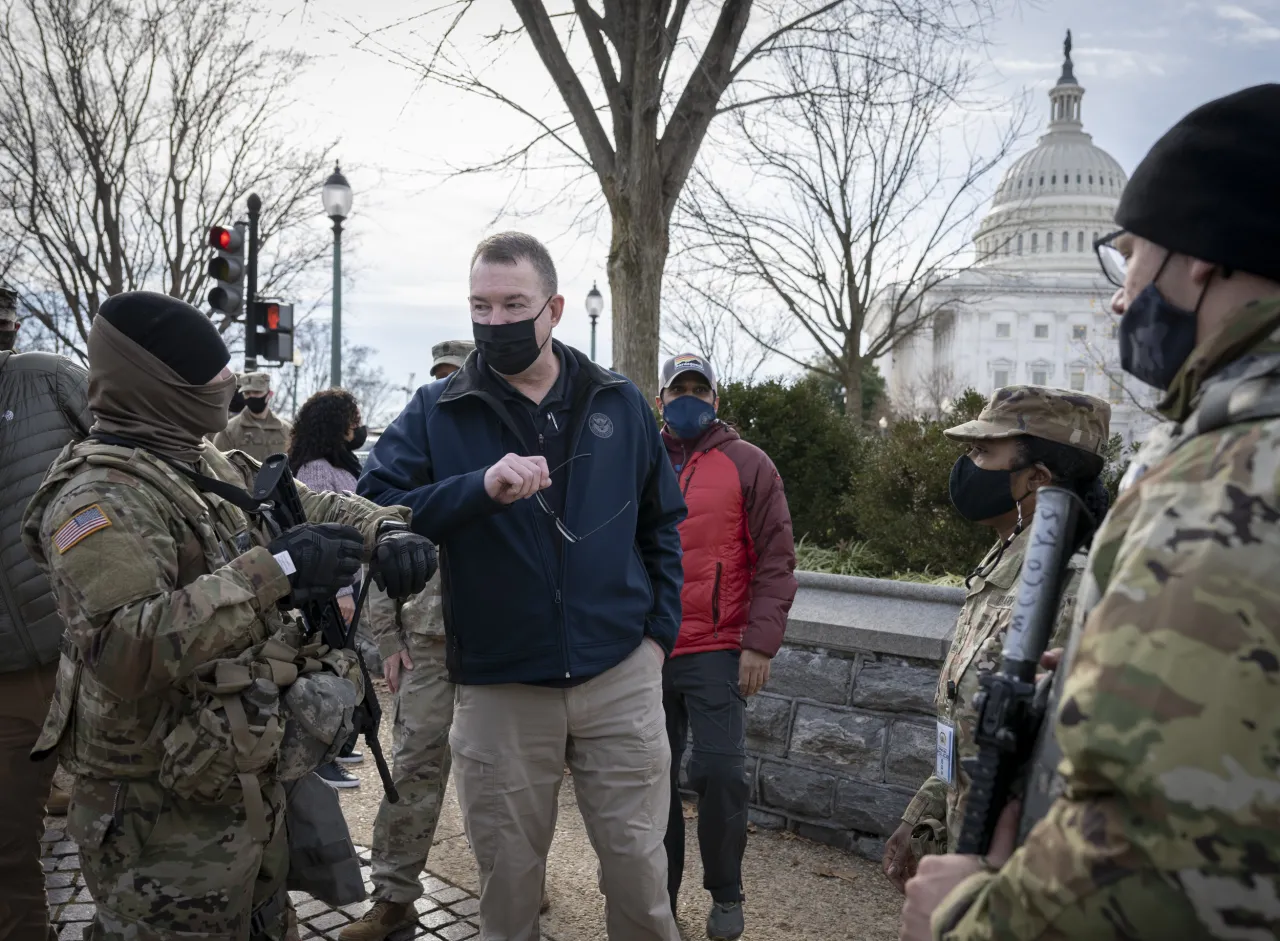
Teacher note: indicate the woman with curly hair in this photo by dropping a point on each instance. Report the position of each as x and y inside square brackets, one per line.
[326, 434]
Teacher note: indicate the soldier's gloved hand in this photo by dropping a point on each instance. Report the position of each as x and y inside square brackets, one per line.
[403, 561]
[319, 558]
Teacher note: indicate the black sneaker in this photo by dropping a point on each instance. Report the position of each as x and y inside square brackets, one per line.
[725, 923]
[336, 776]
[352, 757]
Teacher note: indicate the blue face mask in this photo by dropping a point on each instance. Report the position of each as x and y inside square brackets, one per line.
[688, 416]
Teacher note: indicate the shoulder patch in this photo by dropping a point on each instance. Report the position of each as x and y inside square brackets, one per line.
[87, 521]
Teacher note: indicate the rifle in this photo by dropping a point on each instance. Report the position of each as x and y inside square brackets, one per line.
[274, 489]
[1010, 703]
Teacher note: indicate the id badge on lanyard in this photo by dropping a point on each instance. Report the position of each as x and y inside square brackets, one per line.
[945, 762]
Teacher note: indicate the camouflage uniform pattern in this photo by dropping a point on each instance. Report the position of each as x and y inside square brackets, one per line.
[149, 599]
[1169, 825]
[450, 353]
[1071, 418]
[935, 813]
[403, 832]
[258, 436]
[1074, 418]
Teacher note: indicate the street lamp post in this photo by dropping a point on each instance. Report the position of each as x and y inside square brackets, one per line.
[336, 197]
[595, 305]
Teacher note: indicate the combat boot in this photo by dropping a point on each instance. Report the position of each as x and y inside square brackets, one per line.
[725, 923]
[58, 802]
[379, 921]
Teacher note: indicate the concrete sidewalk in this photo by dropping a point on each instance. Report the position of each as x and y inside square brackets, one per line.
[796, 890]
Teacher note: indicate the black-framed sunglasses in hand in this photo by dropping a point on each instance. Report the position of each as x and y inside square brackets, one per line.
[564, 530]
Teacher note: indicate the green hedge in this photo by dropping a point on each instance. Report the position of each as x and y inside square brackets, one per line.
[863, 501]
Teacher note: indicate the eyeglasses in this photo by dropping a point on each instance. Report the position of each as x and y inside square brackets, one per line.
[1113, 262]
[564, 530]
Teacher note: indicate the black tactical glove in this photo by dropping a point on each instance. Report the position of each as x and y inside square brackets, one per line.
[323, 556]
[403, 562]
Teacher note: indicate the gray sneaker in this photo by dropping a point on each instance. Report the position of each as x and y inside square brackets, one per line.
[725, 921]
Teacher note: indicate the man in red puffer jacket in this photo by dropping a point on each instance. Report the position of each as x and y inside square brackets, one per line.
[739, 560]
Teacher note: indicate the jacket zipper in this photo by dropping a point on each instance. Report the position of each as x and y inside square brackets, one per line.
[688, 480]
[715, 602]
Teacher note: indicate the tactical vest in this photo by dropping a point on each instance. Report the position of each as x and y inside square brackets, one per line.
[212, 737]
[1246, 393]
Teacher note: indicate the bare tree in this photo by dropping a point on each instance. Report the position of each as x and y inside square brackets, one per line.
[928, 396]
[843, 205]
[630, 121]
[309, 374]
[126, 129]
[694, 325]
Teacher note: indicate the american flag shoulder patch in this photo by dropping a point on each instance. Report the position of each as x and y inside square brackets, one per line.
[87, 521]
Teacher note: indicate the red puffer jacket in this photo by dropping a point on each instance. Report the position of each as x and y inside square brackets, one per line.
[739, 553]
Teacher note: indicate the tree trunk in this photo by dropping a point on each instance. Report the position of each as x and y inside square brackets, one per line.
[852, 380]
[637, 258]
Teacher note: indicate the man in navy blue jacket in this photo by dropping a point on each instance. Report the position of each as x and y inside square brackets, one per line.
[544, 481]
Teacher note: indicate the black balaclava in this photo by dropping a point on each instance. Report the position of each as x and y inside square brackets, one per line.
[154, 363]
[171, 330]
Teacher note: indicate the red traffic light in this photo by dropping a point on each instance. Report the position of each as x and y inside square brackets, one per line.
[225, 240]
[273, 316]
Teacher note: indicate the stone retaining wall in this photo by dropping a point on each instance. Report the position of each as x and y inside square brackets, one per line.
[843, 734]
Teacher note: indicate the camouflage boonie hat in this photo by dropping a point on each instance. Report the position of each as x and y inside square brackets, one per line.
[255, 382]
[1073, 418]
[450, 353]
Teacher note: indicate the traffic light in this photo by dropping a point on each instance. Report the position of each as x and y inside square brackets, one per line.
[226, 268]
[275, 342]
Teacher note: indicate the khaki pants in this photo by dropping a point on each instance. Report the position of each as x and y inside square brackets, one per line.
[510, 744]
[403, 832]
[24, 787]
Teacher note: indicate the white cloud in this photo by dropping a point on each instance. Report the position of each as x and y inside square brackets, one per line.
[1250, 26]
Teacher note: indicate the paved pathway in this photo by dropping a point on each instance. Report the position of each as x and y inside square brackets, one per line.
[445, 912]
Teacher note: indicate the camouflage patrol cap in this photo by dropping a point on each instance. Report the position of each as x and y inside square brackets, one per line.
[450, 353]
[255, 382]
[1072, 418]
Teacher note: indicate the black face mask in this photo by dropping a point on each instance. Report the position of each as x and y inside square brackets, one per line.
[510, 348]
[1156, 336]
[237, 403]
[359, 438]
[979, 494]
[257, 405]
[8, 338]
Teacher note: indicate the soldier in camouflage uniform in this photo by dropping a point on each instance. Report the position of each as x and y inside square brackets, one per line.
[1167, 823]
[1026, 437]
[171, 705]
[410, 637]
[447, 357]
[257, 431]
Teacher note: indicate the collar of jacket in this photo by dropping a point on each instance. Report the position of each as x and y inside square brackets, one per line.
[266, 420]
[470, 379]
[1005, 574]
[1250, 329]
[716, 434]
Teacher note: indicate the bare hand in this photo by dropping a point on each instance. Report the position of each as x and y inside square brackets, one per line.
[347, 605]
[391, 668]
[938, 875]
[753, 672]
[1051, 659]
[516, 478]
[899, 862]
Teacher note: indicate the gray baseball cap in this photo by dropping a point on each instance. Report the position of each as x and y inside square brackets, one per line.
[686, 362]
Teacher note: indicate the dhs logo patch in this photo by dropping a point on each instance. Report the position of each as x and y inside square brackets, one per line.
[601, 425]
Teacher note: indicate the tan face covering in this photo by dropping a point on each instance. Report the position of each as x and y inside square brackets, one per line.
[134, 395]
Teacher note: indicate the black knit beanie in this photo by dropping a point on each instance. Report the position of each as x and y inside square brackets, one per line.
[1210, 187]
[171, 330]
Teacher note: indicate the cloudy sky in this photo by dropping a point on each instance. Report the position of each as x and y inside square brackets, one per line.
[1143, 64]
